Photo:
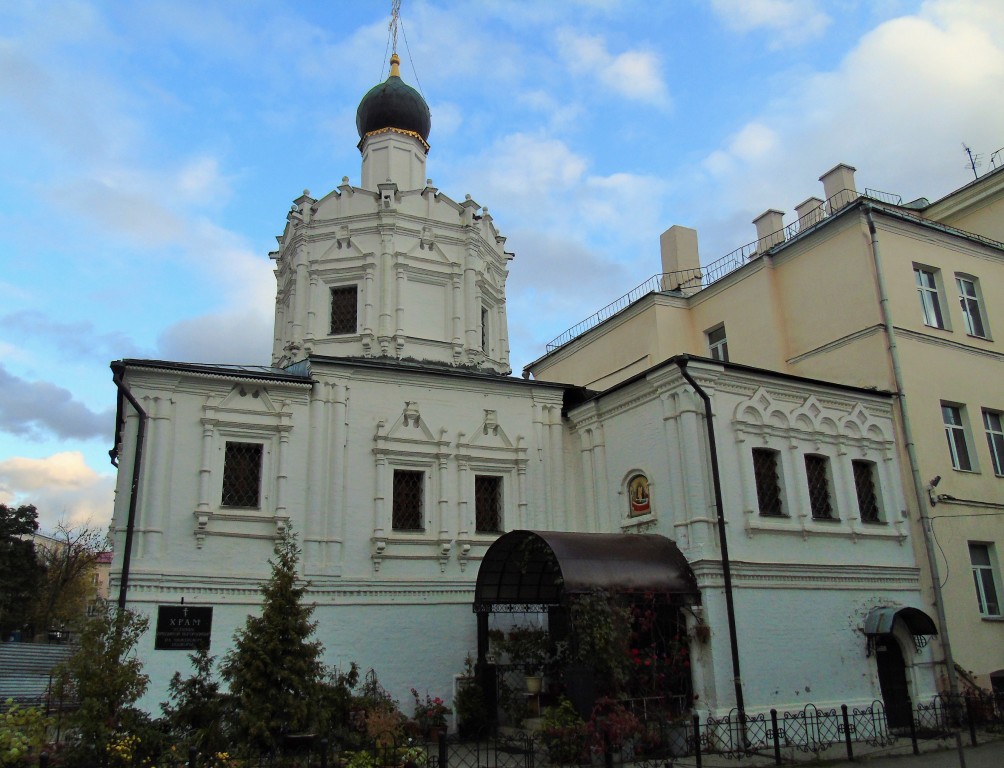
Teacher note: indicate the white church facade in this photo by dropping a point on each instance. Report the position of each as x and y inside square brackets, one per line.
[388, 433]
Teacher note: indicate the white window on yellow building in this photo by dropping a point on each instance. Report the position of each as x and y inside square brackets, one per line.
[995, 439]
[958, 440]
[985, 578]
[718, 345]
[930, 301]
[972, 305]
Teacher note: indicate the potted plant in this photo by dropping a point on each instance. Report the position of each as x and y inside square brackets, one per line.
[469, 703]
[563, 733]
[430, 714]
[529, 647]
[613, 728]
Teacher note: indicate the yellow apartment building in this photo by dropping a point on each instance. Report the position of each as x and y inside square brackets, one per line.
[864, 290]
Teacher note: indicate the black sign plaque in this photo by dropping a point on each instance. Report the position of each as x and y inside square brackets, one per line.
[183, 628]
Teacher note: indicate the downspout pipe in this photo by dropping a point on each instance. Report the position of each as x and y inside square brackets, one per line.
[137, 465]
[919, 488]
[681, 363]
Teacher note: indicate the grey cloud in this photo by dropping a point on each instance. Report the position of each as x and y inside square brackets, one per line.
[78, 339]
[34, 409]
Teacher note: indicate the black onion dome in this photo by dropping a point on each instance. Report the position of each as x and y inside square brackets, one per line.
[394, 104]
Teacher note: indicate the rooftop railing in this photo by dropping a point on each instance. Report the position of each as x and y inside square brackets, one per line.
[689, 281]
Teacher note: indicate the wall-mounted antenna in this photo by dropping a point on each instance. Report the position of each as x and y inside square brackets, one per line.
[974, 160]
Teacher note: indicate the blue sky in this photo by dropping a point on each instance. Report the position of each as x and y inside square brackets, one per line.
[150, 150]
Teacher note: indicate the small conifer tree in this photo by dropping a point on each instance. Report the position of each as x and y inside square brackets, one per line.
[274, 667]
[195, 712]
[105, 678]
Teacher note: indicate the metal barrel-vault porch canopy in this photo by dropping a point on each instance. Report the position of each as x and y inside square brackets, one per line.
[544, 568]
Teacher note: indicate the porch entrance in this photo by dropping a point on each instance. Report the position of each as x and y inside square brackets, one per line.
[889, 659]
[635, 587]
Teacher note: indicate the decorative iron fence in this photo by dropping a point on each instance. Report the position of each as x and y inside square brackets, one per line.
[773, 737]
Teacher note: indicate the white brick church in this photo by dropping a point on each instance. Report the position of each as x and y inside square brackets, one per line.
[388, 432]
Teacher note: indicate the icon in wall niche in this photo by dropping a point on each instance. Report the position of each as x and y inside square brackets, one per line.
[638, 492]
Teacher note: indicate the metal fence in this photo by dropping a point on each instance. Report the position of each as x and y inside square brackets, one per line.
[774, 737]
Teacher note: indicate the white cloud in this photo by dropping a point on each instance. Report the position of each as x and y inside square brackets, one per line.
[897, 107]
[242, 337]
[62, 487]
[788, 21]
[199, 180]
[633, 74]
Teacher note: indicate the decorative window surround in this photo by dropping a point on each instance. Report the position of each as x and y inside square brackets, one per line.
[246, 415]
[409, 444]
[488, 451]
[841, 431]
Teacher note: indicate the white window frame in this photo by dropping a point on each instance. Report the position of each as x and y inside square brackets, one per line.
[993, 426]
[974, 316]
[985, 574]
[718, 348]
[956, 424]
[930, 290]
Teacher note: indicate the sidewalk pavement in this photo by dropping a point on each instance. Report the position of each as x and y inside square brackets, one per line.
[989, 755]
[941, 754]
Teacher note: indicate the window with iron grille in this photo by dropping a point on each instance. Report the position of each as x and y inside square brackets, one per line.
[995, 439]
[484, 329]
[487, 504]
[817, 473]
[984, 578]
[768, 483]
[409, 500]
[344, 306]
[242, 475]
[955, 431]
[867, 491]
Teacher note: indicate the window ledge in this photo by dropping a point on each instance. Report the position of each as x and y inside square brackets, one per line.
[993, 619]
